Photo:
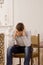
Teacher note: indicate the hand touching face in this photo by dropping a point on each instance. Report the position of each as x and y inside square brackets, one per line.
[19, 33]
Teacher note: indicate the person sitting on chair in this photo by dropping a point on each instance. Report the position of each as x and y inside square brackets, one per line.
[20, 43]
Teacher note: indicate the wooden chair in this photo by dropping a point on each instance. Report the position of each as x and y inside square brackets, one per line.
[2, 60]
[35, 44]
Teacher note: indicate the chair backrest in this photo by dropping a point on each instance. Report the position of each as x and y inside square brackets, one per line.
[36, 44]
[35, 39]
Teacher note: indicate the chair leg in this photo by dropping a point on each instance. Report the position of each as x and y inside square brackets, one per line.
[19, 61]
[31, 61]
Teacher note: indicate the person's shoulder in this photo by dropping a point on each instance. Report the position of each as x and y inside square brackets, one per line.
[28, 32]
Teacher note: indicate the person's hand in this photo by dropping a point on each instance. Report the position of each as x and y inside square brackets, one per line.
[24, 33]
[15, 34]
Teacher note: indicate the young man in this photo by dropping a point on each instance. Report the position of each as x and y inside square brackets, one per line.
[21, 43]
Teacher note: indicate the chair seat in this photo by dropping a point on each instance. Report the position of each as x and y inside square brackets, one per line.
[21, 55]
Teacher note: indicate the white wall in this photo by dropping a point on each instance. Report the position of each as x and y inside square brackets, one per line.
[6, 13]
[31, 13]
